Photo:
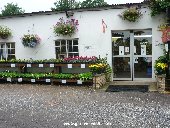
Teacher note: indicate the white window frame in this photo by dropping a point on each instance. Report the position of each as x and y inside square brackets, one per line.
[4, 50]
[66, 54]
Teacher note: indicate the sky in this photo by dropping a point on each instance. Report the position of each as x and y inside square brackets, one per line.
[45, 5]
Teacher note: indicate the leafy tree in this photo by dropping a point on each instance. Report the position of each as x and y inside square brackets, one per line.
[158, 6]
[93, 3]
[65, 5]
[12, 9]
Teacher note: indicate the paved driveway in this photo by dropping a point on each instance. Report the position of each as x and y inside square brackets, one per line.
[27, 106]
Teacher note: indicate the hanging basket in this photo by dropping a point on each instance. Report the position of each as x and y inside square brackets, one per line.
[4, 36]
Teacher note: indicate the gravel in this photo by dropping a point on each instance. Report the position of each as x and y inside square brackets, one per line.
[45, 106]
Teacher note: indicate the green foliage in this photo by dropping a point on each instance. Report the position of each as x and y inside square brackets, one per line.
[63, 5]
[82, 76]
[162, 59]
[131, 14]
[93, 3]
[158, 6]
[85, 76]
[12, 9]
[161, 65]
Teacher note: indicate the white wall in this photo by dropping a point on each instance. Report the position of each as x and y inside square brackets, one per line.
[89, 32]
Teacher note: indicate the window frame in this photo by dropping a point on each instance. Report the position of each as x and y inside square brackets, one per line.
[66, 52]
[6, 48]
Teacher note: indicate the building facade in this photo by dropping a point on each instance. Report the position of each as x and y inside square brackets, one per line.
[130, 47]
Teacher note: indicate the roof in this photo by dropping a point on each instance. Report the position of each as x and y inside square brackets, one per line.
[106, 7]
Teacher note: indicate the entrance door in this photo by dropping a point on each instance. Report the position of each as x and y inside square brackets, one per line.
[132, 54]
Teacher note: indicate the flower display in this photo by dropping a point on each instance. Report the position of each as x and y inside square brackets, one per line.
[98, 68]
[80, 59]
[30, 40]
[66, 28]
[5, 32]
[161, 65]
[131, 14]
[161, 68]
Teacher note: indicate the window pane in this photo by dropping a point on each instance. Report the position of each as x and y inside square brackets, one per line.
[70, 54]
[8, 45]
[76, 54]
[2, 46]
[57, 43]
[63, 49]
[69, 42]
[63, 42]
[11, 51]
[57, 49]
[75, 42]
[75, 49]
[11, 57]
[12, 45]
[70, 49]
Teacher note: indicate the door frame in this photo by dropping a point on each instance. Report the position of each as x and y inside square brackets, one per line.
[131, 56]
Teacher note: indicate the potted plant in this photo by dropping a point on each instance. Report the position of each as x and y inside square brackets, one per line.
[30, 40]
[5, 32]
[131, 14]
[65, 28]
[98, 68]
[161, 67]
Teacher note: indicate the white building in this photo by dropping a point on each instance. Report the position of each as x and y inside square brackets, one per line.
[128, 62]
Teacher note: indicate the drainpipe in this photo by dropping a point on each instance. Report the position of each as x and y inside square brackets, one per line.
[168, 42]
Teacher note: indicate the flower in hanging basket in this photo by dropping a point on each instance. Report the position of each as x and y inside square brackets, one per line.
[5, 32]
[65, 28]
[30, 40]
[131, 14]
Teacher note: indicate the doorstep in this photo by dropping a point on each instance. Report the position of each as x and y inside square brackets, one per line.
[151, 84]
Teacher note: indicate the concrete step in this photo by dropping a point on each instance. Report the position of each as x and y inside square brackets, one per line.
[151, 84]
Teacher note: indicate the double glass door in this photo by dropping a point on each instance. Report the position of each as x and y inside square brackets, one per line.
[132, 54]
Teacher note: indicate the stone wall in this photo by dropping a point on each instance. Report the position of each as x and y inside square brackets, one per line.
[99, 80]
[161, 83]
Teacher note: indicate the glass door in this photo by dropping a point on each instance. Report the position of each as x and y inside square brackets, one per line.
[142, 55]
[132, 54]
[121, 49]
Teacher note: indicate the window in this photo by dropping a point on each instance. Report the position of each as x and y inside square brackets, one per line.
[7, 50]
[66, 48]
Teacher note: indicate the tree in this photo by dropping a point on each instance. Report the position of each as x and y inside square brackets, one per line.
[65, 5]
[93, 3]
[12, 9]
[158, 6]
